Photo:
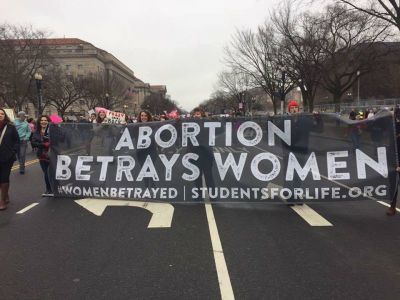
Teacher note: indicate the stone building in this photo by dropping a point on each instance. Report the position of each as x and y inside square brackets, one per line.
[79, 58]
[381, 82]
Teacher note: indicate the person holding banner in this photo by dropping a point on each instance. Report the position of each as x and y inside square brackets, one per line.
[302, 125]
[392, 209]
[41, 141]
[142, 154]
[206, 157]
[145, 116]
[9, 145]
[101, 117]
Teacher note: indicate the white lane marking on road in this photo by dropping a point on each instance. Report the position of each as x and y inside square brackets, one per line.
[387, 204]
[310, 216]
[224, 280]
[162, 213]
[27, 208]
[307, 213]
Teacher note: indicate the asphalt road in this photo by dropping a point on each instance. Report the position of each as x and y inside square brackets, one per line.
[59, 250]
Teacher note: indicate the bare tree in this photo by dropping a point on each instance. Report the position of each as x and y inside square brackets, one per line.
[63, 90]
[219, 102]
[301, 49]
[236, 85]
[348, 45]
[256, 54]
[386, 10]
[95, 89]
[107, 92]
[157, 103]
[22, 54]
[116, 90]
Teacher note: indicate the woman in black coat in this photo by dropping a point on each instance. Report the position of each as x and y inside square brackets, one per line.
[9, 143]
[41, 141]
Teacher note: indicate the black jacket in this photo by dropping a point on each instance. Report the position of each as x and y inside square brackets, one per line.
[42, 143]
[10, 144]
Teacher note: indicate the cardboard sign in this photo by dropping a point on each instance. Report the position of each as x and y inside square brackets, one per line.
[10, 113]
[112, 117]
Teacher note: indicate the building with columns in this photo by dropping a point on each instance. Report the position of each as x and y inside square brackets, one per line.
[79, 58]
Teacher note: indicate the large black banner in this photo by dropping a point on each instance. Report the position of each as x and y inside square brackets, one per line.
[299, 158]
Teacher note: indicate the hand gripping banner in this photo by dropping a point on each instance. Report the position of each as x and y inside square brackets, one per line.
[283, 159]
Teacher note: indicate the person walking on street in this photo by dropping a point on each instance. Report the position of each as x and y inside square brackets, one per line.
[32, 126]
[24, 133]
[142, 154]
[303, 124]
[9, 142]
[41, 141]
[392, 209]
[205, 158]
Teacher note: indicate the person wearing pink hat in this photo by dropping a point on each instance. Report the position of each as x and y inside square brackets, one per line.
[101, 116]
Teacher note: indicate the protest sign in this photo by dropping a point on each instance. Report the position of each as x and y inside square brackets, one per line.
[10, 113]
[112, 117]
[302, 158]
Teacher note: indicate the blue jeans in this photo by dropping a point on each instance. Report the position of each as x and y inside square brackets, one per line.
[22, 154]
[45, 168]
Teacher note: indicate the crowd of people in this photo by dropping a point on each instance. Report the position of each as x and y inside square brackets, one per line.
[101, 115]
[362, 114]
[16, 136]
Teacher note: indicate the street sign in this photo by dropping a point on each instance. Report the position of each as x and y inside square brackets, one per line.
[162, 213]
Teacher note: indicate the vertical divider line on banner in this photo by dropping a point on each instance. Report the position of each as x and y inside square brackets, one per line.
[224, 280]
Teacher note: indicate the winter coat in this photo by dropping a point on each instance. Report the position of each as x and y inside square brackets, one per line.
[10, 144]
[24, 131]
[42, 143]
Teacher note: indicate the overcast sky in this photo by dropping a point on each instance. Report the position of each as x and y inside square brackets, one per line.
[177, 43]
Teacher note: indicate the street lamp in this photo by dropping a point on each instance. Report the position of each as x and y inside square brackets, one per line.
[358, 88]
[282, 90]
[39, 78]
[107, 101]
